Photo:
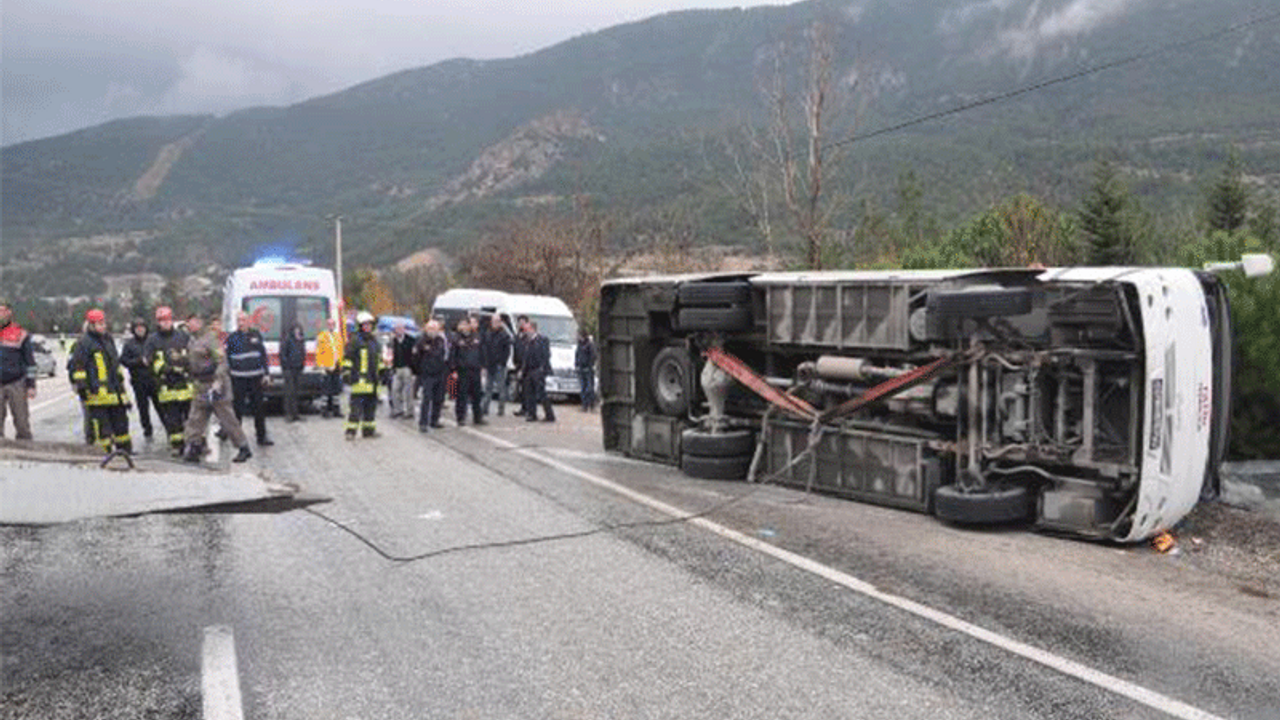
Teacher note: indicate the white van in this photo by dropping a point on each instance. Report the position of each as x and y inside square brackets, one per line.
[555, 321]
[277, 295]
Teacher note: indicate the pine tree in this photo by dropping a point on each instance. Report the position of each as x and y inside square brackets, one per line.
[1104, 219]
[1228, 199]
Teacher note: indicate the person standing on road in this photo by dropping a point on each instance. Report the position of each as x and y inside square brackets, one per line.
[165, 351]
[431, 363]
[247, 362]
[206, 363]
[329, 358]
[584, 361]
[99, 379]
[496, 350]
[401, 372]
[141, 380]
[518, 346]
[17, 374]
[468, 361]
[360, 363]
[537, 365]
[293, 357]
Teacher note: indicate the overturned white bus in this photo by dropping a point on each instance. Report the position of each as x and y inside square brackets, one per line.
[1090, 401]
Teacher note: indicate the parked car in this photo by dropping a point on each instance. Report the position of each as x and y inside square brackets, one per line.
[45, 364]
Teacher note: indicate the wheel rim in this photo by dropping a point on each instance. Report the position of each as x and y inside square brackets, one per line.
[671, 382]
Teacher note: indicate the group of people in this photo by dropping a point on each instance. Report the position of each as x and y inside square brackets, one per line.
[189, 374]
[182, 372]
[478, 357]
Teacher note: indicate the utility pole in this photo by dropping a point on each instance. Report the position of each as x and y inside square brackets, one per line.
[337, 241]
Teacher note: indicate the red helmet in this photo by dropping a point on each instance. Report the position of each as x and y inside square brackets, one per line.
[164, 312]
[95, 315]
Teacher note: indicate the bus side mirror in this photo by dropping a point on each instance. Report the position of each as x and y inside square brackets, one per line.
[1257, 264]
[1251, 264]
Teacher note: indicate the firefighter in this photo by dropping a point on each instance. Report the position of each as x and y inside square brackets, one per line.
[360, 364]
[165, 352]
[206, 363]
[99, 379]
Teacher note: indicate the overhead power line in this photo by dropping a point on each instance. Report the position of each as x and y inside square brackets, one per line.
[1260, 20]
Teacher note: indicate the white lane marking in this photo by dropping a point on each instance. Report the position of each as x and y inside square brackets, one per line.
[1137, 693]
[431, 515]
[219, 678]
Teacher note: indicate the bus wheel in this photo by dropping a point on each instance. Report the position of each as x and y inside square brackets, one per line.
[984, 507]
[672, 375]
[715, 468]
[721, 444]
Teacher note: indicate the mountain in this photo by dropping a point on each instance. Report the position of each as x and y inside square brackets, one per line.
[631, 116]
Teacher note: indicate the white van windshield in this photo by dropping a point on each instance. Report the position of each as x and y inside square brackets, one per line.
[563, 330]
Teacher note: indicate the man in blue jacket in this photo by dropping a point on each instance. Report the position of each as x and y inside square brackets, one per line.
[17, 373]
[247, 360]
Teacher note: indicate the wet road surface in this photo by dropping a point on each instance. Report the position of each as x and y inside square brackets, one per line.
[521, 588]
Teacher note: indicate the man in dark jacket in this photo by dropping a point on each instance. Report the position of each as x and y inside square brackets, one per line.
[165, 351]
[401, 372]
[293, 357]
[518, 345]
[140, 377]
[96, 372]
[468, 362]
[496, 349]
[537, 365]
[584, 361]
[431, 364]
[247, 361]
[17, 373]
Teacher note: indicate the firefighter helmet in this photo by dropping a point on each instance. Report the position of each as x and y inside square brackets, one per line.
[363, 317]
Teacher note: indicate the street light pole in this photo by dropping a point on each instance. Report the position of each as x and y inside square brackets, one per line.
[337, 241]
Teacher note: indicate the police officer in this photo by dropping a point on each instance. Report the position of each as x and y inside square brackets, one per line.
[165, 352]
[206, 363]
[360, 364]
[134, 360]
[247, 362]
[98, 377]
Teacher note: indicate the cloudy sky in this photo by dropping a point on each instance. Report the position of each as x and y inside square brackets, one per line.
[69, 64]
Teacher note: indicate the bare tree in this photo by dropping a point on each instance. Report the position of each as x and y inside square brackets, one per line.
[560, 254]
[780, 164]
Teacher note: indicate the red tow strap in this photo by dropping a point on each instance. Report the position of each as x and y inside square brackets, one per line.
[803, 410]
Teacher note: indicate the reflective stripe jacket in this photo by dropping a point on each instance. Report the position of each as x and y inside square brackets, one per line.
[164, 353]
[328, 350]
[246, 353]
[361, 364]
[96, 371]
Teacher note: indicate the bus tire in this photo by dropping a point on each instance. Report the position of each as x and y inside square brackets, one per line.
[672, 378]
[714, 294]
[715, 468]
[992, 506]
[735, 318]
[730, 443]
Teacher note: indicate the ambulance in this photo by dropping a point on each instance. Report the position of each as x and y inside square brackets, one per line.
[276, 295]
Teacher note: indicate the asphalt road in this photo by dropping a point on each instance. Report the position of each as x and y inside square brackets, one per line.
[519, 572]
